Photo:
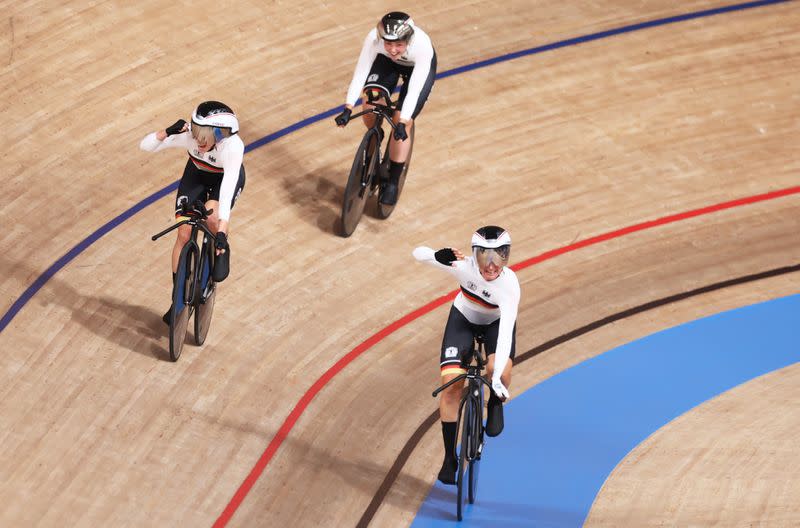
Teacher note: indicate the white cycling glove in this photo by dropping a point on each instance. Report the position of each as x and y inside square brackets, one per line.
[499, 388]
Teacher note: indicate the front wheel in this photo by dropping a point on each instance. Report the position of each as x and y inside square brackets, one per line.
[358, 183]
[182, 293]
[476, 449]
[466, 415]
[385, 210]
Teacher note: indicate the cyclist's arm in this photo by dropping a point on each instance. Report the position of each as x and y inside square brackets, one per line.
[231, 165]
[151, 143]
[427, 255]
[422, 67]
[368, 53]
[508, 317]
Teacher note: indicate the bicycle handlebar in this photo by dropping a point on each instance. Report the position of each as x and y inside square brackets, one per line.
[443, 387]
[386, 110]
[459, 378]
[196, 213]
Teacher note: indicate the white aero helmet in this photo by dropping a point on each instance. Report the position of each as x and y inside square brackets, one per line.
[213, 121]
[491, 244]
[395, 26]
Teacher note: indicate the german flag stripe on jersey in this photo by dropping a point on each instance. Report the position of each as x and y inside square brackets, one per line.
[453, 368]
[476, 299]
[203, 166]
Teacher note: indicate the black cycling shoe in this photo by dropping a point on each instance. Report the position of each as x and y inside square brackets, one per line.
[447, 475]
[389, 194]
[166, 316]
[494, 420]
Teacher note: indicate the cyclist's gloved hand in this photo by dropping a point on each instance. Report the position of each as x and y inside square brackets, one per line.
[499, 388]
[176, 128]
[445, 256]
[400, 132]
[343, 118]
[221, 240]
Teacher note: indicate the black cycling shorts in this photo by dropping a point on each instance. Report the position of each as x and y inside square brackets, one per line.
[202, 185]
[385, 74]
[459, 336]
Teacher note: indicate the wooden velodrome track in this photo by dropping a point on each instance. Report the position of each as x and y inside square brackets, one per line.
[98, 428]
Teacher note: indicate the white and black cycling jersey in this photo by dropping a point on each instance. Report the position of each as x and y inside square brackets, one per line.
[224, 159]
[483, 302]
[418, 55]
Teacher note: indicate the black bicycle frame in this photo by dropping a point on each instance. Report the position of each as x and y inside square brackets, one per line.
[197, 221]
[473, 390]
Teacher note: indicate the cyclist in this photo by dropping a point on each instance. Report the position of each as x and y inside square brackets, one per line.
[487, 303]
[214, 173]
[396, 48]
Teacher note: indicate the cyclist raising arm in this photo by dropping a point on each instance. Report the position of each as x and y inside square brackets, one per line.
[396, 48]
[488, 304]
[214, 173]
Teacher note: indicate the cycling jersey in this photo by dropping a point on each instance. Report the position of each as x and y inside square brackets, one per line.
[482, 302]
[419, 55]
[224, 159]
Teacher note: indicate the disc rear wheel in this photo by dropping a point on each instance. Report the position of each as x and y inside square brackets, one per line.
[358, 183]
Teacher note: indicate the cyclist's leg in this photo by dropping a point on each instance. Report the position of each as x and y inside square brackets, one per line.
[184, 232]
[190, 189]
[383, 76]
[494, 420]
[456, 345]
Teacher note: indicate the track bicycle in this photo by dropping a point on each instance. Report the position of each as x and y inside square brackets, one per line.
[194, 289]
[470, 424]
[369, 173]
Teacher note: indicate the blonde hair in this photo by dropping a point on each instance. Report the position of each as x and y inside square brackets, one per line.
[205, 134]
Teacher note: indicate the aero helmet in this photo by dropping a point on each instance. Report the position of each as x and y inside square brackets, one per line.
[213, 121]
[395, 26]
[491, 244]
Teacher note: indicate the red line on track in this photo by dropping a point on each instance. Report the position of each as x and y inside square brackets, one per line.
[305, 400]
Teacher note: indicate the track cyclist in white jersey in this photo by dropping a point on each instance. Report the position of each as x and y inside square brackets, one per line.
[488, 304]
[396, 48]
[214, 173]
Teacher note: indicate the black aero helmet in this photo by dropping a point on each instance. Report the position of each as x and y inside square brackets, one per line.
[491, 244]
[214, 118]
[395, 26]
